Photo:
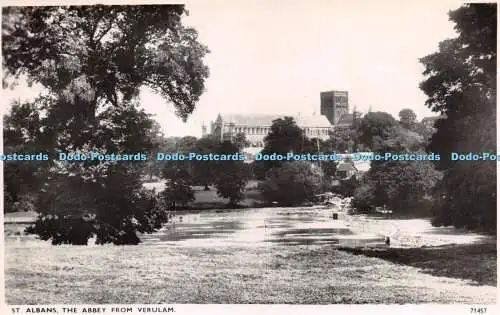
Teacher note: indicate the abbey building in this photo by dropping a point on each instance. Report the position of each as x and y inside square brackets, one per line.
[334, 113]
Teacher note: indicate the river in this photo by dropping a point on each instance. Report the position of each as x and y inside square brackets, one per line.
[261, 227]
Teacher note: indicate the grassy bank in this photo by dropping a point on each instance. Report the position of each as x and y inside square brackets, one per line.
[209, 200]
[205, 200]
[476, 262]
[40, 274]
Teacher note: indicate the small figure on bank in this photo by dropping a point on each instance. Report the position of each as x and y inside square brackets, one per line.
[387, 241]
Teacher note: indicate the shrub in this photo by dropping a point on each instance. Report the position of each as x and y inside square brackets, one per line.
[178, 192]
[292, 183]
[364, 196]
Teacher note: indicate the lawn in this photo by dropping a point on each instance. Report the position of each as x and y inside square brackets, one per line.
[475, 262]
[209, 199]
[204, 200]
[37, 273]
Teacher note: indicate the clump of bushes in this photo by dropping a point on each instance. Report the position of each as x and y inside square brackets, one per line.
[292, 183]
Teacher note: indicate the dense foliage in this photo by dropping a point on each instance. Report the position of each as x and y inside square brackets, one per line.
[22, 133]
[374, 128]
[92, 61]
[286, 136]
[403, 186]
[407, 118]
[229, 176]
[232, 176]
[292, 183]
[461, 84]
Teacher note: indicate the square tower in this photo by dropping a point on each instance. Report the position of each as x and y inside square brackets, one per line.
[334, 104]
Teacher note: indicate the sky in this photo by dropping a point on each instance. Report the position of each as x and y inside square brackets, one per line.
[276, 56]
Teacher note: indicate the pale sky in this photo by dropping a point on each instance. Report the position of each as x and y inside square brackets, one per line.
[276, 56]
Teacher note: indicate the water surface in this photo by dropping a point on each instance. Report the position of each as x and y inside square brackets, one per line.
[260, 227]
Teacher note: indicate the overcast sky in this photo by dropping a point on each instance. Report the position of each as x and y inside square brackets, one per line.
[276, 56]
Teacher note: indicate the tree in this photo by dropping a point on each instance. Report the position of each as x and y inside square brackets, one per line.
[284, 136]
[92, 61]
[186, 144]
[180, 168]
[424, 131]
[461, 85]
[240, 141]
[364, 196]
[178, 192]
[402, 185]
[348, 186]
[22, 133]
[341, 139]
[231, 176]
[292, 183]
[407, 118]
[158, 143]
[375, 127]
[104, 198]
[204, 171]
[402, 140]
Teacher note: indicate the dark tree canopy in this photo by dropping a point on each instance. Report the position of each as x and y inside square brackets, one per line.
[292, 183]
[461, 84]
[92, 61]
[231, 176]
[104, 54]
[284, 136]
[205, 173]
[240, 140]
[403, 186]
[375, 127]
[342, 139]
[407, 117]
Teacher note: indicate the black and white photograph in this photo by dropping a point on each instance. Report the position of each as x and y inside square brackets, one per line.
[300, 153]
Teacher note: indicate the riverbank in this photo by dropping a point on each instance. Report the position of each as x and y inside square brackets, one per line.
[472, 262]
[439, 251]
[403, 233]
[220, 275]
[242, 257]
[413, 233]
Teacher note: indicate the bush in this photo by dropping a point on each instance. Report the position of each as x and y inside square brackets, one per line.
[403, 186]
[466, 197]
[78, 229]
[292, 183]
[8, 202]
[348, 186]
[232, 185]
[364, 196]
[178, 192]
[113, 208]
[26, 203]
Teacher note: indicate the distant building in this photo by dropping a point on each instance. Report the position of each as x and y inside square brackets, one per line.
[334, 113]
[334, 105]
[256, 127]
[204, 130]
[347, 120]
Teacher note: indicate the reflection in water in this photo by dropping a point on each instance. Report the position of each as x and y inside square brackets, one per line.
[259, 227]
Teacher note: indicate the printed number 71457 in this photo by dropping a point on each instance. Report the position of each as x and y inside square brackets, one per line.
[478, 310]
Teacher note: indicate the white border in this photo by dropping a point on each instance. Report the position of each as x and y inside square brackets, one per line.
[408, 309]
